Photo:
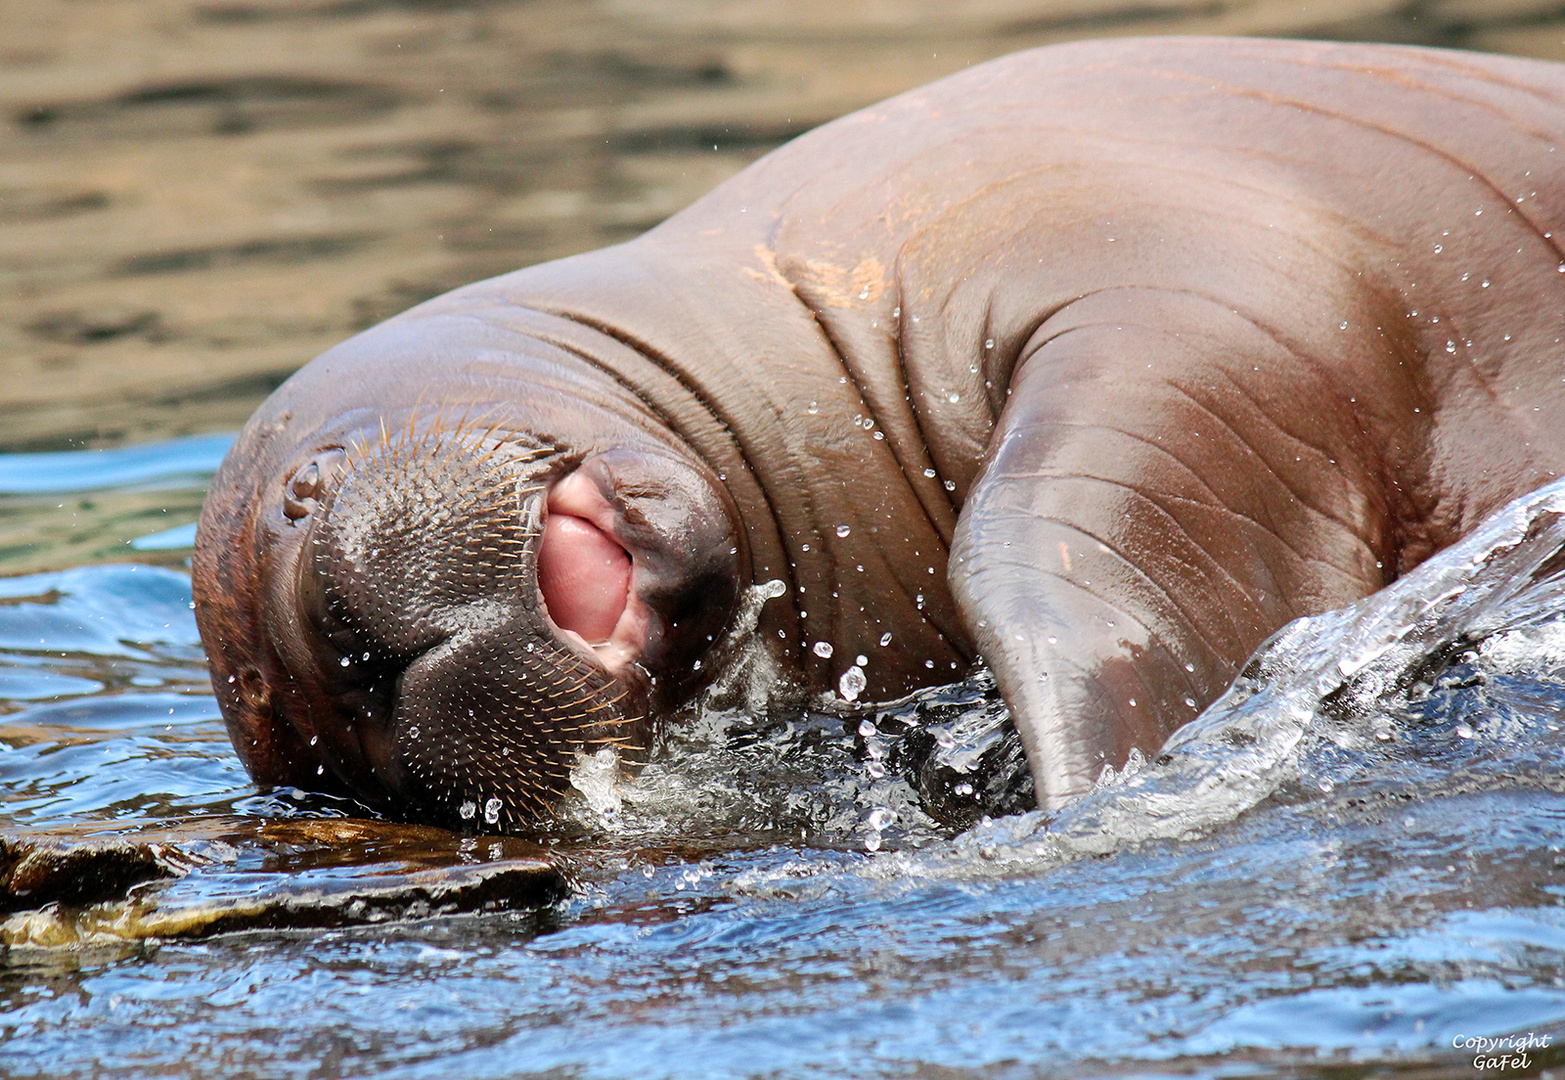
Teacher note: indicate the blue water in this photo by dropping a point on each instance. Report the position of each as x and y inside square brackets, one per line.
[1395, 886]
[186, 462]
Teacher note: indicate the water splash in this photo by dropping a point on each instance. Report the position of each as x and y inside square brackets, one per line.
[596, 777]
[1330, 682]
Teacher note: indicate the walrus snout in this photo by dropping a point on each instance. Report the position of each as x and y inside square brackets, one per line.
[457, 613]
[440, 688]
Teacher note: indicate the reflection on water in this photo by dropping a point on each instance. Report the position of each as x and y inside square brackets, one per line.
[115, 716]
[199, 195]
[1368, 900]
[75, 507]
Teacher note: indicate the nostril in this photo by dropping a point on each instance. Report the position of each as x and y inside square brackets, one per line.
[583, 576]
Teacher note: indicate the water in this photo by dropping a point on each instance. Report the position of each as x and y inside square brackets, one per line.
[1352, 862]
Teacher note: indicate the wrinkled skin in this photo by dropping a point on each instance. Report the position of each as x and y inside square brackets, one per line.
[1097, 364]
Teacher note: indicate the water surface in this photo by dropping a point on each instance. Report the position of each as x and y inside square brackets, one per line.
[1296, 890]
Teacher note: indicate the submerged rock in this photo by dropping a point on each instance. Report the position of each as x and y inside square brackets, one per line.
[105, 882]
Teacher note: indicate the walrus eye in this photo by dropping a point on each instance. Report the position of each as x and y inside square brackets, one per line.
[309, 484]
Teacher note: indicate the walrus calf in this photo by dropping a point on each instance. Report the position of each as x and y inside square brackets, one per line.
[1095, 364]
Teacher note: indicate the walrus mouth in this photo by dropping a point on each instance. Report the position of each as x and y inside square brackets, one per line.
[450, 693]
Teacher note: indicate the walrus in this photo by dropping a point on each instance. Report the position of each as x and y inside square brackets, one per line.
[1094, 364]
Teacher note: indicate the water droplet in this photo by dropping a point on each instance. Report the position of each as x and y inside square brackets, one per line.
[928, 473]
[492, 810]
[843, 530]
[852, 684]
[813, 408]
[989, 343]
[1190, 702]
[344, 662]
[467, 809]
[872, 842]
[950, 485]
[1463, 731]
[1343, 325]
[885, 639]
[1450, 346]
[861, 660]
[823, 650]
[953, 397]
[1438, 249]
[864, 293]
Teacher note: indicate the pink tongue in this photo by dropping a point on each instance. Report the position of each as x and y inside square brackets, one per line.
[584, 576]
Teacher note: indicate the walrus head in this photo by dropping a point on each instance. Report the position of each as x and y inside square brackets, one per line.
[437, 610]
